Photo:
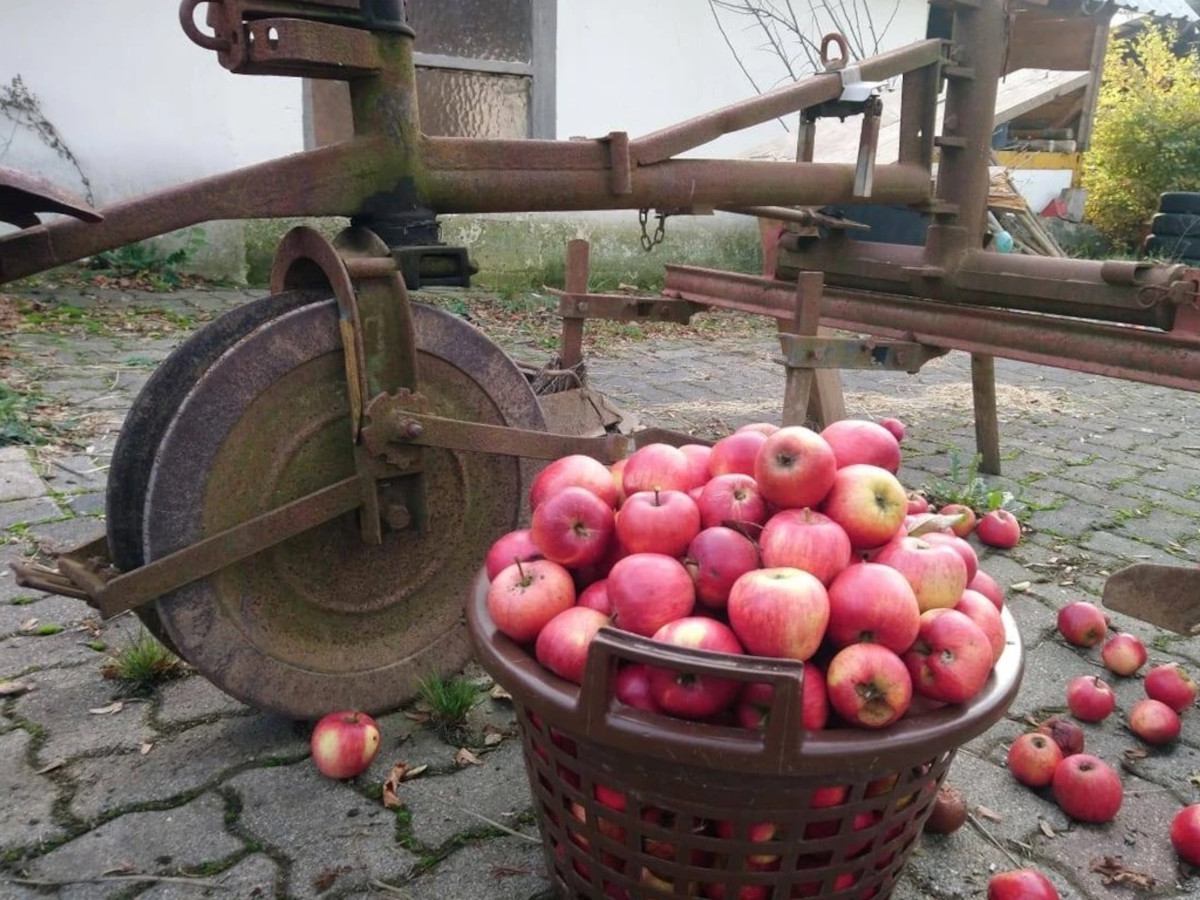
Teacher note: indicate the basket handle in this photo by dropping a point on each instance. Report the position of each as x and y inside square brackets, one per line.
[602, 717]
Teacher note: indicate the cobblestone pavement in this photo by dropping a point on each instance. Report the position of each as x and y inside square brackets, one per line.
[189, 793]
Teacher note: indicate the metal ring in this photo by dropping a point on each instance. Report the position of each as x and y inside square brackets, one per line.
[187, 18]
[843, 49]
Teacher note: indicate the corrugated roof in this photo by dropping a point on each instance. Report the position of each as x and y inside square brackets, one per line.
[1164, 9]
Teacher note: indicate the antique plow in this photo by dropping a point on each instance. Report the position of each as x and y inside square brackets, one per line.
[302, 492]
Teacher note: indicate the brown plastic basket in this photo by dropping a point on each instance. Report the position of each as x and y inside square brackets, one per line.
[638, 805]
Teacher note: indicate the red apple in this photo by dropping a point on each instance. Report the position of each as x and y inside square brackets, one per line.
[657, 522]
[735, 453]
[1033, 759]
[575, 470]
[523, 597]
[697, 456]
[731, 499]
[562, 645]
[754, 703]
[917, 503]
[1185, 834]
[617, 470]
[960, 546]
[895, 426]
[1087, 789]
[868, 685]
[805, 539]
[795, 468]
[716, 558]
[648, 590]
[573, 527]
[344, 743]
[873, 603]
[694, 695]
[657, 467]
[1124, 654]
[1154, 722]
[966, 521]
[937, 574]
[1082, 624]
[979, 609]
[1021, 884]
[508, 548]
[986, 585]
[1171, 685]
[859, 441]
[1067, 734]
[781, 612]
[595, 596]
[1090, 699]
[999, 528]
[869, 502]
[951, 658]
[632, 687]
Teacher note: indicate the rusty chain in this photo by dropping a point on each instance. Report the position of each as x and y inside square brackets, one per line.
[648, 242]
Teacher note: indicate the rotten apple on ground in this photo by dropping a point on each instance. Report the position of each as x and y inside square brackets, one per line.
[1067, 734]
[344, 743]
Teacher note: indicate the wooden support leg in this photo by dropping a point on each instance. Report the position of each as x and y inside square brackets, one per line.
[804, 322]
[578, 263]
[987, 430]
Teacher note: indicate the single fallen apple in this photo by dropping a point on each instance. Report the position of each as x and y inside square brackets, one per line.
[1021, 884]
[1185, 834]
[949, 811]
[344, 743]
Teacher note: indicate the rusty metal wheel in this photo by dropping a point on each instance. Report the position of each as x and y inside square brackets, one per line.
[324, 621]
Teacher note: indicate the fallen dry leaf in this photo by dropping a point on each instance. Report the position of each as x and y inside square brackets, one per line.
[509, 871]
[1194, 779]
[419, 717]
[111, 710]
[1020, 587]
[1046, 829]
[399, 773]
[499, 693]
[146, 747]
[491, 740]
[1113, 871]
[28, 625]
[1136, 753]
[15, 688]
[990, 814]
[465, 757]
[324, 881]
[51, 766]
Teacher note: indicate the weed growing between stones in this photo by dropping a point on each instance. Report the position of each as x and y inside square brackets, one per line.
[143, 665]
[448, 700]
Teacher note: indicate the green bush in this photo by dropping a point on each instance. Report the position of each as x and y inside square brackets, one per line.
[1146, 138]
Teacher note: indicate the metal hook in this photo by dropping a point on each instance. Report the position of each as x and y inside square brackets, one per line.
[187, 18]
[832, 65]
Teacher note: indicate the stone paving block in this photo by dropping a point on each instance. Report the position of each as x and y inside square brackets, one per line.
[59, 537]
[80, 472]
[28, 511]
[90, 503]
[950, 867]
[323, 827]
[253, 878]
[402, 740]
[25, 653]
[179, 763]
[160, 842]
[443, 806]
[1047, 670]
[194, 697]
[19, 480]
[46, 608]
[26, 798]
[506, 868]
[1106, 542]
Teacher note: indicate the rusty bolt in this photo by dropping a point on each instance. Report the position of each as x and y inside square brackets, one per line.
[397, 516]
[411, 430]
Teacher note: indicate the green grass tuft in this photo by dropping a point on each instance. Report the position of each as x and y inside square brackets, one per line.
[449, 700]
[143, 664]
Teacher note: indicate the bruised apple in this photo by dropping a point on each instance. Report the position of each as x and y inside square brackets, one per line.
[868, 685]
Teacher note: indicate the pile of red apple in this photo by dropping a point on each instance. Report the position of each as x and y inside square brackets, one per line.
[774, 542]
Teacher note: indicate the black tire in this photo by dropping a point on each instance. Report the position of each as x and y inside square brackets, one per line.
[1181, 202]
[1174, 248]
[1176, 224]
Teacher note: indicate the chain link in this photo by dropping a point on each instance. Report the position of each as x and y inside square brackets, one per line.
[648, 242]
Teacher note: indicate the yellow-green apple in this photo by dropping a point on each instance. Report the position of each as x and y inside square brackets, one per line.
[732, 499]
[781, 612]
[575, 470]
[1021, 884]
[869, 502]
[754, 703]
[872, 603]
[987, 585]
[716, 558]
[595, 596]
[1172, 685]
[1086, 788]
[805, 539]
[523, 597]
[1154, 722]
[697, 456]
[951, 658]
[1124, 654]
[632, 687]
[859, 441]
[938, 575]
[998, 528]
[508, 548]
[1090, 698]
[562, 645]
[980, 610]
[965, 519]
[1082, 624]
[795, 468]
[694, 695]
[736, 453]
[657, 522]
[656, 467]
[573, 527]
[1067, 734]
[895, 426]
[1185, 834]
[960, 546]
[648, 590]
[868, 685]
[344, 743]
[1032, 759]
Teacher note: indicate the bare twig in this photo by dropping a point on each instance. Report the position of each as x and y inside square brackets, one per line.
[991, 839]
[503, 828]
[96, 879]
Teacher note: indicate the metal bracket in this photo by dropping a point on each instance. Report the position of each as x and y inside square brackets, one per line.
[851, 353]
